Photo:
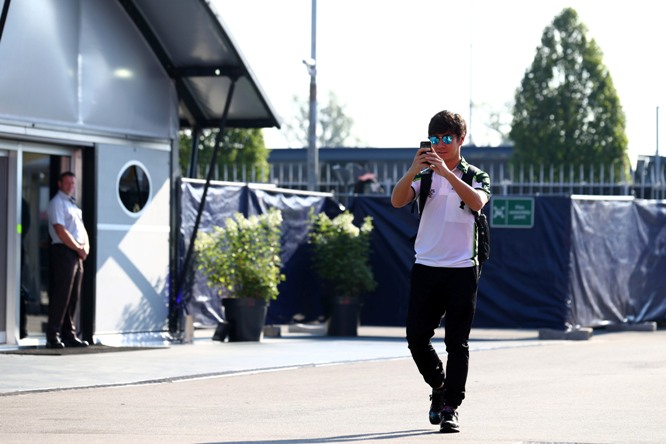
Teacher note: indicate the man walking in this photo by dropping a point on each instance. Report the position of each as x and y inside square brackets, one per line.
[444, 278]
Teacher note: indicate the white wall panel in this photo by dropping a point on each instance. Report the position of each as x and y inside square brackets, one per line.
[132, 249]
[84, 65]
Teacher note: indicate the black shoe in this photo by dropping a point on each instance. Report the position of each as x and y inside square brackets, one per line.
[449, 420]
[74, 342]
[55, 343]
[436, 406]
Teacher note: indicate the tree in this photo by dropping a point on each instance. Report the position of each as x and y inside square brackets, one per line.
[243, 149]
[334, 127]
[567, 110]
[495, 126]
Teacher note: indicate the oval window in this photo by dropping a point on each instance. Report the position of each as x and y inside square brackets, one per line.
[134, 188]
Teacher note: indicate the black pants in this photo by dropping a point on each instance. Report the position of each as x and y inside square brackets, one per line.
[65, 290]
[435, 293]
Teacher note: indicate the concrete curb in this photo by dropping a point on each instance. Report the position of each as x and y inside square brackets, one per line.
[578, 334]
[272, 331]
[641, 326]
[313, 329]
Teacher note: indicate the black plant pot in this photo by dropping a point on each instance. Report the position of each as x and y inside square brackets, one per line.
[345, 316]
[246, 318]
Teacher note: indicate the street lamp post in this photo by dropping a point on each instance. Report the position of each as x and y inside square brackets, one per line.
[311, 64]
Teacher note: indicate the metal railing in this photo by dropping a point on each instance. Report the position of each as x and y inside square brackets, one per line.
[345, 179]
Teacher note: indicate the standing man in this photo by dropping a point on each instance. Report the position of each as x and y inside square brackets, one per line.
[69, 248]
[444, 278]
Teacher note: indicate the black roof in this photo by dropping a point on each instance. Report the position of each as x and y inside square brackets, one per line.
[197, 51]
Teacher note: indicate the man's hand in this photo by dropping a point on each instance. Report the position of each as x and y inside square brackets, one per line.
[437, 164]
[402, 191]
[420, 161]
[82, 252]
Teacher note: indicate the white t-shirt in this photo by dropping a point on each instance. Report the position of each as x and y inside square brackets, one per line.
[447, 233]
[64, 212]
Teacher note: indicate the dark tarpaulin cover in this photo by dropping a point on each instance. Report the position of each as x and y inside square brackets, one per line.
[392, 257]
[523, 285]
[584, 262]
[618, 262]
[222, 202]
[525, 282]
[204, 303]
[301, 292]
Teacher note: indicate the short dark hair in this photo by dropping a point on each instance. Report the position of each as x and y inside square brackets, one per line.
[447, 122]
[65, 174]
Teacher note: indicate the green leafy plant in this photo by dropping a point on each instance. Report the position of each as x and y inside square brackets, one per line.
[243, 257]
[567, 110]
[341, 253]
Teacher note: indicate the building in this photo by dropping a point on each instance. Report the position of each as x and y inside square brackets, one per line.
[101, 88]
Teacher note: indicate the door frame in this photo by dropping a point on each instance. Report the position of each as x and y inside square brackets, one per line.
[4, 238]
[11, 293]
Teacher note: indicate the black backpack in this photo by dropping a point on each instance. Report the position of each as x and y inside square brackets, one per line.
[481, 221]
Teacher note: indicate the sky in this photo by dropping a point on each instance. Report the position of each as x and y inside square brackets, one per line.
[395, 63]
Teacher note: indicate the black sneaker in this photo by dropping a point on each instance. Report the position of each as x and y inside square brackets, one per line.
[436, 406]
[449, 420]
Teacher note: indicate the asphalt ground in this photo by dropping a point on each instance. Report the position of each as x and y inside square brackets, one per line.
[316, 389]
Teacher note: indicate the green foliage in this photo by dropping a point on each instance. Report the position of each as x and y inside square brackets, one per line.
[239, 147]
[341, 253]
[334, 126]
[497, 121]
[243, 257]
[567, 110]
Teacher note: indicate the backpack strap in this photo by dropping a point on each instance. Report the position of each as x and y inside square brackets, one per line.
[426, 184]
[483, 253]
[468, 177]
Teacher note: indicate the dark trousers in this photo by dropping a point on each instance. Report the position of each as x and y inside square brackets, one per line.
[437, 293]
[65, 290]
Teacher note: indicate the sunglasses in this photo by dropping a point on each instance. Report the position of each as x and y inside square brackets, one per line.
[446, 140]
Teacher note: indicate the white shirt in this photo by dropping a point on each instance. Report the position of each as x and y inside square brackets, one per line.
[63, 211]
[447, 235]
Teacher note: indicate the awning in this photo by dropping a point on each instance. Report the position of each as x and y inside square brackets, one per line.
[197, 51]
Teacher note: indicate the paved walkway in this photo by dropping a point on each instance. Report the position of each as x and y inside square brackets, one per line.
[313, 389]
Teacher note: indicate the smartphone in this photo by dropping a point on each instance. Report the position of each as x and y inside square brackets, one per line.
[426, 144]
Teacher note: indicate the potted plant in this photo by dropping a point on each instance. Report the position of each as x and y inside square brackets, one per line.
[242, 259]
[341, 257]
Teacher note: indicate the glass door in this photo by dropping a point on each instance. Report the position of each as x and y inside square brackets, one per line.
[4, 169]
[40, 172]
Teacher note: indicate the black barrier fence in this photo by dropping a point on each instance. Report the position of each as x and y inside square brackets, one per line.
[557, 261]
